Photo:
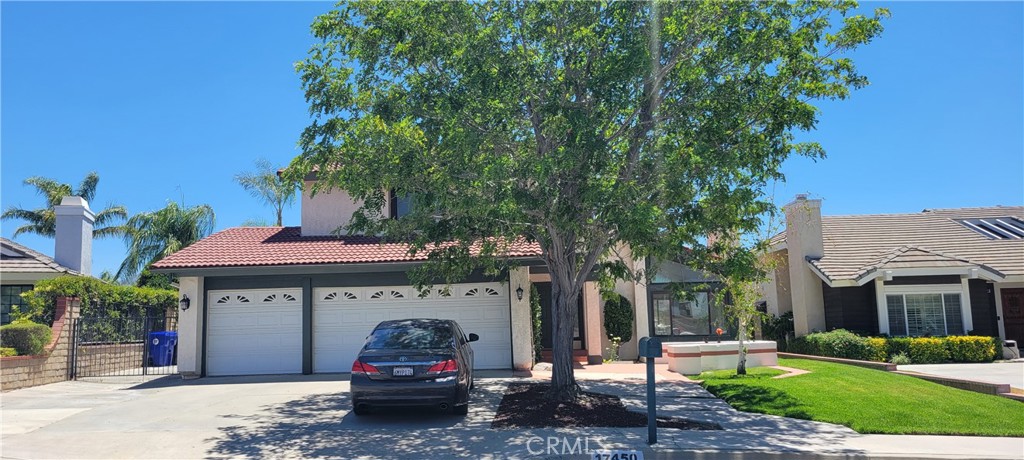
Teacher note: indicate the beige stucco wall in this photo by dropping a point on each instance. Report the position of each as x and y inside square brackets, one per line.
[190, 326]
[522, 323]
[593, 322]
[326, 211]
[804, 241]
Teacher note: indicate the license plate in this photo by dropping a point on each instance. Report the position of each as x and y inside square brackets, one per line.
[401, 371]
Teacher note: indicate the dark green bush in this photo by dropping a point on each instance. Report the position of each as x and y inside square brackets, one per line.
[839, 343]
[972, 349]
[928, 350]
[535, 312]
[897, 346]
[618, 318]
[4, 351]
[26, 337]
[98, 298]
[778, 328]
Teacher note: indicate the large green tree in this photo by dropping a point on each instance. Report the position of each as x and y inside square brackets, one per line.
[151, 236]
[583, 126]
[266, 185]
[43, 221]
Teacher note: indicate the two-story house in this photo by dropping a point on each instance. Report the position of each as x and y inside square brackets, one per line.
[274, 300]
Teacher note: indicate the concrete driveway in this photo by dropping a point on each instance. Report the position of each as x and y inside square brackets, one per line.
[1005, 373]
[308, 417]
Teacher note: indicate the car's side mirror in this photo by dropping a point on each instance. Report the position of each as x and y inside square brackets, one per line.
[473, 337]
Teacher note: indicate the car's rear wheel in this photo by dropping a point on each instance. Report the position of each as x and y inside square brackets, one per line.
[461, 410]
[361, 409]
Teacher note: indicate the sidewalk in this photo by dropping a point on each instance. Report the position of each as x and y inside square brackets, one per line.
[748, 433]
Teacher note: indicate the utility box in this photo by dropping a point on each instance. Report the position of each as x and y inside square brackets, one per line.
[650, 347]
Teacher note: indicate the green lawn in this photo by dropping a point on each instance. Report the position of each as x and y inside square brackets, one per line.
[867, 400]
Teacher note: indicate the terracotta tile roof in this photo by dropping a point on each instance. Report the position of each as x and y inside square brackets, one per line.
[16, 258]
[855, 245]
[276, 246]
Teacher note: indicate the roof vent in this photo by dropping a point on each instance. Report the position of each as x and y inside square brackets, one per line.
[996, 228]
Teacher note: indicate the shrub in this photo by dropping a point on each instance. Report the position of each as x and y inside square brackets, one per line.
[900, 359]
[897, 346]
[778, 328]
[971, 349]
[928, 350]
[877, 349]
[98, 298]
[535, 312]
[618, 318]
[26, 337]
[839, 343]
[5, 351]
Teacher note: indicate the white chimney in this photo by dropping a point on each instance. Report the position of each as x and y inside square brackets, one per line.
[73, 246]
[804, 241]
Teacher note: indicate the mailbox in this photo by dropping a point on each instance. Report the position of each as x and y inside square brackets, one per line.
[650, 347]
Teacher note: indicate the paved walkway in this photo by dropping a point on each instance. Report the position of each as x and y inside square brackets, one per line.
[1011, 373]
[309, 417]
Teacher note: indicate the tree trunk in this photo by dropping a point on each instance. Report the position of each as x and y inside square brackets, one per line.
[279, 220]
[741, 336]
[564, 301]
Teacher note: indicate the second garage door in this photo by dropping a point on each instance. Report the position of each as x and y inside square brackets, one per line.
[343, 317]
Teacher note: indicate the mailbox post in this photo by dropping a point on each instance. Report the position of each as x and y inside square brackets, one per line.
[650, 348]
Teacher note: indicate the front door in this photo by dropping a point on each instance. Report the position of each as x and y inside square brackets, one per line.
[1013, 314]
[546, 324]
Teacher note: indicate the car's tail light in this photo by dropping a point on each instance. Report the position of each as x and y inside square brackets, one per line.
[359, 367]
[445, 366]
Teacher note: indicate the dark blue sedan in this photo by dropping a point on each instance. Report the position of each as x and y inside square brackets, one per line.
[414, 362]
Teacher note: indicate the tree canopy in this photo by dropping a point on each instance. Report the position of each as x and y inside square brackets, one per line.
[586, 127]
[151, 236]
[43, 221]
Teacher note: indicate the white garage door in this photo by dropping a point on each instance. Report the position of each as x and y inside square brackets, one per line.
[254, 331]
[343, 317]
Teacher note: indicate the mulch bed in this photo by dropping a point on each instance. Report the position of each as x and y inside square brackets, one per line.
[524, 406]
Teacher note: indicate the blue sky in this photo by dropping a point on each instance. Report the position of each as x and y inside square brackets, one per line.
[168, 101]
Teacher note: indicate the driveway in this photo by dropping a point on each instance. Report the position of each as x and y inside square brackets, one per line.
[308, 417]
[1005, 373]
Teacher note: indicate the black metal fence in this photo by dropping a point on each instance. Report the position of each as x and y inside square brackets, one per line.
[118, 341]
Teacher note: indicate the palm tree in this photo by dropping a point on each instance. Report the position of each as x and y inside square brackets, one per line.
[43, 221]
[151, 236]
[266, 185]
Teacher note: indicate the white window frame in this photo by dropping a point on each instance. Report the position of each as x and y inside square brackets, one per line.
[963, 289]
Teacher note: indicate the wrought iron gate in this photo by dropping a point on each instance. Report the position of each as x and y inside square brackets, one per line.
[116, 342]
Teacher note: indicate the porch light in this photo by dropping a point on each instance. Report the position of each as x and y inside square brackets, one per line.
[185, 302]
[519, 293]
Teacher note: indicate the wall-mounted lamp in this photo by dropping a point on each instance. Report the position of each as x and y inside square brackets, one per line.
[185, 302]
[519, 293]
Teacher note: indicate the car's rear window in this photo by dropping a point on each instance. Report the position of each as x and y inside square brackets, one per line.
[409, 337]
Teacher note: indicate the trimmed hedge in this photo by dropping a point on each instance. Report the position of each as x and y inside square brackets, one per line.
[25, 337]
[928, 350]
[839, 343]
[973, 349]
[4, 351]
[919, 350]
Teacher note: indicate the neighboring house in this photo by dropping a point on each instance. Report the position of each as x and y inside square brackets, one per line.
[937, 272]
[264, 300]
[21, 267]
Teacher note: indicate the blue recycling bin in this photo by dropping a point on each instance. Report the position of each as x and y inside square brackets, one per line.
[161, 347]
